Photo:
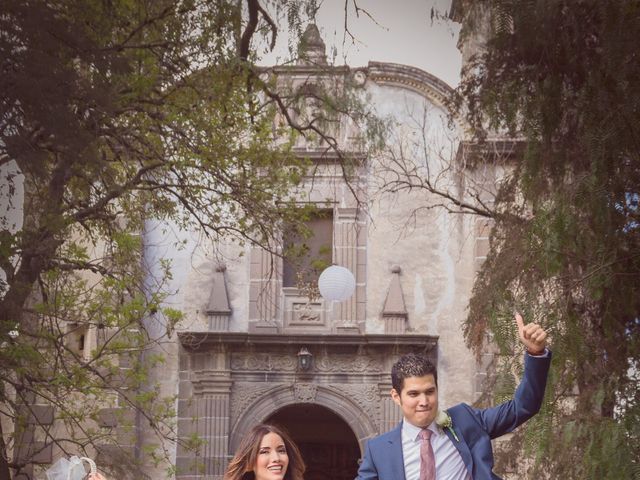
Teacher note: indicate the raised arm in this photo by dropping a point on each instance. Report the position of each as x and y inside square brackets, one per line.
[528, 397]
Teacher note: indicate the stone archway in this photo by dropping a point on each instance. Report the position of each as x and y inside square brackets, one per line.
[328, 445]
[232, 381]
[360, 422]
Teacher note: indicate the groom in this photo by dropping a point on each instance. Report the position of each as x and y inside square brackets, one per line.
[457, 448]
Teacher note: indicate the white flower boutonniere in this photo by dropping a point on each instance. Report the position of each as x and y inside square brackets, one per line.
[443, 420]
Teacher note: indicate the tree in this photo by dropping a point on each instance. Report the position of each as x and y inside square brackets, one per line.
[563, 80]
[115, 113]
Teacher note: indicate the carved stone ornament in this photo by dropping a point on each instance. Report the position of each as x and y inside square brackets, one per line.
[349, 363]
[366, 396]
[263, 362]
[359, 78]
[305, 392]
[307, 314]
[244, 394]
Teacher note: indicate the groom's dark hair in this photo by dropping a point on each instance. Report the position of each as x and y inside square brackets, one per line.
[411, 365]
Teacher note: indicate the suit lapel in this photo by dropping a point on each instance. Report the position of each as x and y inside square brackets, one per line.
[396, 460]
[463, 449]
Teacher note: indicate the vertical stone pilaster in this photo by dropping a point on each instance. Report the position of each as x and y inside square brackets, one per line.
[203, 415]
[346, 251]
[263, 292]
[187, 421]
[218, 323]
[482, 230]
[389, 412]
[213, 415]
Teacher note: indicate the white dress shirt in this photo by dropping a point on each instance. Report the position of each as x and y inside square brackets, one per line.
[449, 464]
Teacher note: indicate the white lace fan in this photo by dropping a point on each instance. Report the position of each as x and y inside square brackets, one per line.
[71, 469]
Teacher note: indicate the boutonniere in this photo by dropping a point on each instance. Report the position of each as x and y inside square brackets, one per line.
[443, 420]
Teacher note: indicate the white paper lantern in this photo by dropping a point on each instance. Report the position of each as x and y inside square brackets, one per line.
[336, 283]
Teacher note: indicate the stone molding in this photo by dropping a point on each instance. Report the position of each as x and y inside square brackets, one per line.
[205, 385]
[411, 78]
[349, 364]
[350, 411]
[205, 340]
[490, 152]
[264, 362]
[243, 394]
[367, 396]
[283, 362]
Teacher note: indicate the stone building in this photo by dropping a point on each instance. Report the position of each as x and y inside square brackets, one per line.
[254, 348]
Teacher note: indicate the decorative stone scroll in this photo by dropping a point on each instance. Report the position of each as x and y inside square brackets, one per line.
[349, 363]
[263, 362]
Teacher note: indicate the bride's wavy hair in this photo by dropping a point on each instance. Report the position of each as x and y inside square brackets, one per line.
[244, 461]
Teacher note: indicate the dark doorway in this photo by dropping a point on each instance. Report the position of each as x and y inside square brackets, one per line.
[328, 445]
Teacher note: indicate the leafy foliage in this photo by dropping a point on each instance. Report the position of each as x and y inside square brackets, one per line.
[563, 77]
[116, 113]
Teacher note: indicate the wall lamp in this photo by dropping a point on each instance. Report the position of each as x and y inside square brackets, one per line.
[304, 359]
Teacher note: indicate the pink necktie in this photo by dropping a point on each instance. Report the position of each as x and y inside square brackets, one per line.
[427, 458]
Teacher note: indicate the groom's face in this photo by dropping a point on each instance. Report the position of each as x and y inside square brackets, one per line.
[418, 400]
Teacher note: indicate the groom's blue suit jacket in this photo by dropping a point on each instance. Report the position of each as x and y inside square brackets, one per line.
[474, 427]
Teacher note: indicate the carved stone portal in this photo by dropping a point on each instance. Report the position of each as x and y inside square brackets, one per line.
[231, 381]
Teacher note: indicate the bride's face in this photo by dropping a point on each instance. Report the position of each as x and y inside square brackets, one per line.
[272, 459]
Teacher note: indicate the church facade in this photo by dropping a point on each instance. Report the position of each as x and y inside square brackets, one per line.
[253, 347]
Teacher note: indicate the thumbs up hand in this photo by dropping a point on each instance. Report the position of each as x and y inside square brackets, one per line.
[532, 336]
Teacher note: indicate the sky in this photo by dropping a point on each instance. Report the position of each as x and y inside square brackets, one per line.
[401, 32]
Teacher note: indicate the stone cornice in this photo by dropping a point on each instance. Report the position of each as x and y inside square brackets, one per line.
[315, 70]
[198, 340]
[411, 78]
[328, 155]
[383, 73]
[501, 150]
